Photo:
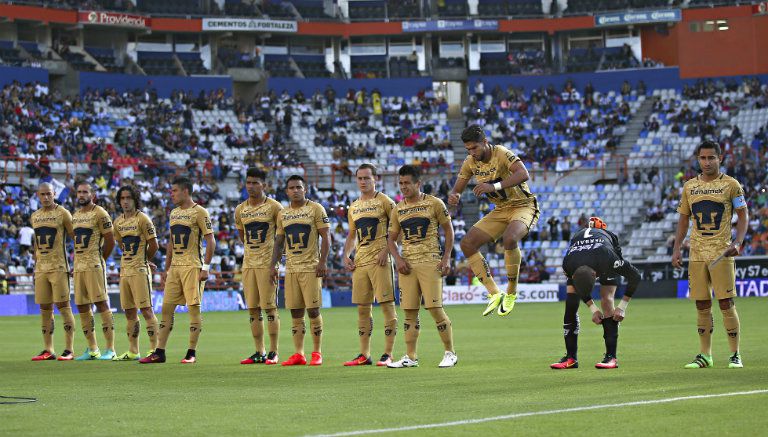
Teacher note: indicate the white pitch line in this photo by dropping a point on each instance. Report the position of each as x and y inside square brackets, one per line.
[539, 413]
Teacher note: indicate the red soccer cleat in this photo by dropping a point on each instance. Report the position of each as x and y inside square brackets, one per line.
[565, 363]
[295, 360]
[66, 356]
[44, 356]
[254, 359]
[272, 358]
[384, 360]
[609, 362]
[317, 359]
[360, 360]
[189, 360]
[152, 359]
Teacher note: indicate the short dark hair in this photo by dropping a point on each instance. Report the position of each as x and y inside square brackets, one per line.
[584, 282]
[295, 177]
[709, 144]
[367, 165]
[473, 134]
[134, 195]
[410, 170]
[84, 182]
[184, 183]
[257, 173]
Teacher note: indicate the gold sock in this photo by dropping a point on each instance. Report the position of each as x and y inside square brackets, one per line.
[195, 325]
[390, 326]
[411, 328]
[132, 328]
[316, 326]
[443, 324]
[704, 323]
[152, 331]
[86, 321]
[69, 328]
[273, 328]
[108, 328]
[297, 331]
[365, 328]
[482, 270]
[512, 263]
[166, 325]
[257, 328]
[47, 325]
[732, 327]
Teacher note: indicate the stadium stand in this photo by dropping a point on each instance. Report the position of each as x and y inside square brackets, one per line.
[159, 63]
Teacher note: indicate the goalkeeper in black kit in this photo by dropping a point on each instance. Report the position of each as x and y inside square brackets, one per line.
[594, 254]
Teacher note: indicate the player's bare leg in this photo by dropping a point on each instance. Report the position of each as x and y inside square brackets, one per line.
[705, 326]
[316, 327]
[610, 327]
[298, 330]
[732, 328]
[151, 327]
[470, 245]
[514, 232]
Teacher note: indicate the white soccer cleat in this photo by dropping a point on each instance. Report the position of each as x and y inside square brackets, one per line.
[449, 359]
[406, 361]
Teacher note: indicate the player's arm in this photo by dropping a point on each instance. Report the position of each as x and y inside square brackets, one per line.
[168, 261]
[445, 263]
[518, 174]
[458, 187]
[741, 231]
[210, 247]
[682, 231]
[392, 237]
[632, 275]
[106, 229]
[349, 245]
[325, 247]
[277, 251]
[239, 226]
[68, 228]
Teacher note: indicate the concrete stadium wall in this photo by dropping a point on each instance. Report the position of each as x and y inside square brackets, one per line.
[23, 75]
[163, 84]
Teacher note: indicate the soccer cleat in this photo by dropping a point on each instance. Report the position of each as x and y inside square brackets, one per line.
[701, 361]
[89, 355]
[295, 360]
[360, 360]
[609, 362]
[256, 358]
[109, 355]
[127, 356]
[565, 363]
[151, 351]
[317, 359]
[507, 304]
[384, 360]
[67, 355]
[153, 358]
[272, 358]
[44, 356]
[189, 358]
[734, 362]
[449, 360]
[406, 361]
[493, 301]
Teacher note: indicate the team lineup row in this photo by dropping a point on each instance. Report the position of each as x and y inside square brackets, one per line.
[383, 236]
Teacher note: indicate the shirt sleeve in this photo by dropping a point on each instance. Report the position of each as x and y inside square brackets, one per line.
[279, 224]
[149, 228]
[321, 218]
[683, 207]
[105, 222]
[441, 211]
[204, 221]
[510, 157]
[238, 219]
[394, 223]
[351, 222]
[66, 220]
[116, 233]
[737, 195]
[389, 206]
[466, 169]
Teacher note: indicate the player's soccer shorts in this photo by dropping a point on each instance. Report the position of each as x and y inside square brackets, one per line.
[51, 287]
[90, 287]
[372, 281]
[495, 222]
[605, 280]
[182, 286]
[303, 290]
[259, 288]
[135, 291]
[721, 278]
[424, 282]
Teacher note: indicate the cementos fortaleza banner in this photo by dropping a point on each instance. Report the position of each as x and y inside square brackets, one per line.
[248, 25]
[638, 17]
[116, 19]
[464, 294]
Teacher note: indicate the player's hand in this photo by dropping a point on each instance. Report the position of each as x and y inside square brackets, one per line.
[321, 270]
[349, 264]
[483, 188]
[275, 275]
[733, 249]
[203, 275]
[677, 259]
[383, 257]
[403, 267]
[453, 199]
[618, 314]
[444, 267]
[597, 317]
[163, 275]
[152, 266]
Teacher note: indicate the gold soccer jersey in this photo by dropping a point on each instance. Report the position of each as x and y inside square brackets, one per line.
[711, 206]
[257, 226]
[419, 222]
[50, 239]
[188, 226]
[90, 228]
[300, 226]
[133, 233]
[369, 220]
[496, 169]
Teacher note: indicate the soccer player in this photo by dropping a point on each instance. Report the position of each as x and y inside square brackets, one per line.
[52, 223]
[372, 271]
[502, 177]
[711, 199]
[136, 237]
[421, 265]
[186, 270]
[594, 252]
[94, 242]
[255, 220]
[298, 228]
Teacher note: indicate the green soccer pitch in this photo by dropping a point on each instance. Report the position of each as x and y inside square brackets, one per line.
[503, 374]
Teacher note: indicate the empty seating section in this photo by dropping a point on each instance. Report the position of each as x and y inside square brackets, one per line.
[246, 8]
[158, 63]
[369, 67]
[366, 10]
[192, 63]
[10, 54]
[617, 58]
[278, 9]
[507, 8]
[32, 48]
[171, 7]
[312, 66]
[105, 57]
[279, 66]
[403, 9]
[311, 9]
[452, 8]
[514, 62]
[233, 58]
[402, 67]
[580, 59]
[589, 6]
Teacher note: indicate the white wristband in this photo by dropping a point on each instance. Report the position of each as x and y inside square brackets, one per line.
[497, 186]
[593, 308]
[206, 267]
[623, 305]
